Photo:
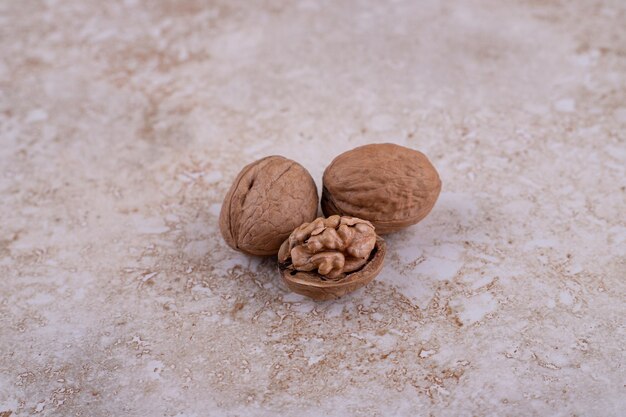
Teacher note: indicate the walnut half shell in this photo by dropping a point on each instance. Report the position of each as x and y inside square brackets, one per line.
[330, 257]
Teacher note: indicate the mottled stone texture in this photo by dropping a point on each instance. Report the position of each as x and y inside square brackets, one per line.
[122, 125]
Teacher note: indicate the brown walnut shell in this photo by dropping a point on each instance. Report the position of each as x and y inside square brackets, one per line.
[269, 198]
[328, 258]
[390, 185]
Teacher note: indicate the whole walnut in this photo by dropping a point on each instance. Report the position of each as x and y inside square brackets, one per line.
[390, 185]
[269, 198]
[330, 257]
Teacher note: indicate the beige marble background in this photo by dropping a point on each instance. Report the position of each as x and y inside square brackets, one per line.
[123, 123]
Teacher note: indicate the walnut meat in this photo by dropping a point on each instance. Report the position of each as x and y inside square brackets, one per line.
[390, 185]
[269, 198]
[329, 257]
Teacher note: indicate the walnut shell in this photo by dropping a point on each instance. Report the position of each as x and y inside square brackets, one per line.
[390, 185]
[328, 258]
[269, 198]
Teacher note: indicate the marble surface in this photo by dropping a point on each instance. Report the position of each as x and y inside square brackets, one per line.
[123, 123]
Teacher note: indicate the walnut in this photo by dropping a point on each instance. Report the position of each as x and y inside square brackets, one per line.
[389, 185]
[329, 257]
[268, 199]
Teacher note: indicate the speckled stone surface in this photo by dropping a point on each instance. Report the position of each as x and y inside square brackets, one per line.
[123, 123]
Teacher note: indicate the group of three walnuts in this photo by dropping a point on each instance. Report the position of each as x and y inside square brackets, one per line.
[271, 209]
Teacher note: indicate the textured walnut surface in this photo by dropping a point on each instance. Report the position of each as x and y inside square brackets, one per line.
[124, 123]
[392, 186]
[332, 246]
[320, 287]
[268, 199]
